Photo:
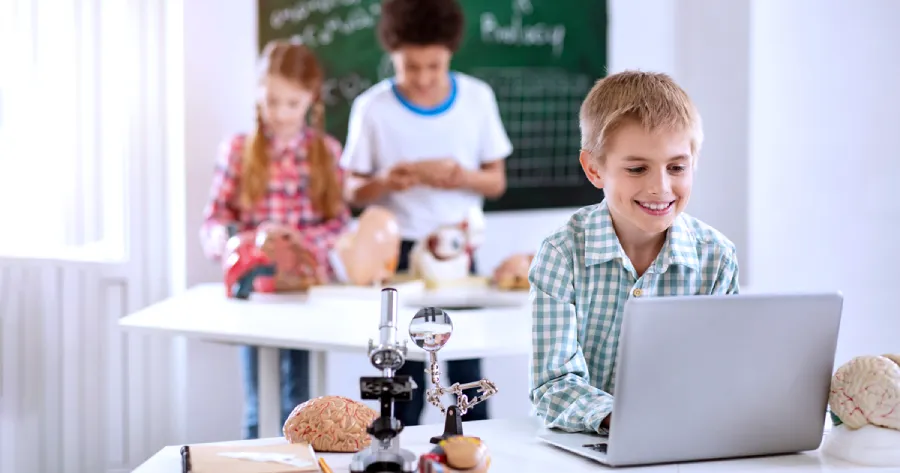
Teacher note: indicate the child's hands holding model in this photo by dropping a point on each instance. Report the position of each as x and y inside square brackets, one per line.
[401, 177]
[443, 173]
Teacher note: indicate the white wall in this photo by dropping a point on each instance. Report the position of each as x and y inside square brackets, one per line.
[824, 159]
[801, 177]
[219, 64]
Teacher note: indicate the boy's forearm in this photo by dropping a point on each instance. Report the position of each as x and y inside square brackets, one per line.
[488, 183]
[589, 411]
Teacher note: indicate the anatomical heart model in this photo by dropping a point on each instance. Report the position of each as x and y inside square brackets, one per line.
[272, 259]
[368, 255]
[445, 255]
[865, 408]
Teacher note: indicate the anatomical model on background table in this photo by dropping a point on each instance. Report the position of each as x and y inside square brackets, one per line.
[445, 255]
[271, 259]
[368, 255]
[865, 407]
[512, 273]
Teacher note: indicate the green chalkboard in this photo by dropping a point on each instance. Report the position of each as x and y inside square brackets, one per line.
[540, 56]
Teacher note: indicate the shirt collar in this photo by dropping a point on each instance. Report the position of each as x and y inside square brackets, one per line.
[280, 146]
[602, 245]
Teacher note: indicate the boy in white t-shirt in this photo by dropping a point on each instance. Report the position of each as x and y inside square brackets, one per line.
[425, 112]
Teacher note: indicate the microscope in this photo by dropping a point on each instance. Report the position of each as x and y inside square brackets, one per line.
[384, 455]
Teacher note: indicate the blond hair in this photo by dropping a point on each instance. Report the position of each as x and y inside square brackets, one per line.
[652, 100]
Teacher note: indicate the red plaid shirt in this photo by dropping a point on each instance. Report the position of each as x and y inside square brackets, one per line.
[286, 202]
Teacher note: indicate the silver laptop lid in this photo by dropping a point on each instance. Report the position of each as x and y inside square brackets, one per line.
[703, 377]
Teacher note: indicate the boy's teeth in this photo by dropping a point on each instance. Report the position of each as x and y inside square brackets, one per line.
[655, 206]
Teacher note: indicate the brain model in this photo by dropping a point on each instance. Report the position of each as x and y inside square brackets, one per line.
[866, 391]
[330, 424]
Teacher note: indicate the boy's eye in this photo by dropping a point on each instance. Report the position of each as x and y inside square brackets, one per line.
[636, 170]
[678, 168]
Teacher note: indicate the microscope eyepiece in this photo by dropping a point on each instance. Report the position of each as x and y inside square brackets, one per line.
[388, 356]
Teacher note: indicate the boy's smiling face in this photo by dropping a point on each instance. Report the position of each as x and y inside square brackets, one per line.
[646, 178]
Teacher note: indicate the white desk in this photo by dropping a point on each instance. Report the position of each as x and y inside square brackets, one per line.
[320, 325]
[514, 449]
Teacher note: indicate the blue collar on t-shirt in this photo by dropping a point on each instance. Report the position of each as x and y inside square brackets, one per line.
[437, 109]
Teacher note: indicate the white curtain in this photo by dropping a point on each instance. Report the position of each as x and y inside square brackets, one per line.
[89, 124]
[67, 100]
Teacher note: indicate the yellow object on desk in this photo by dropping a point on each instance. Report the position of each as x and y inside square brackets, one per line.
[324, 466]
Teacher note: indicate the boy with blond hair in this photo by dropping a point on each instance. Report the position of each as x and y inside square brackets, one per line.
[640, 138]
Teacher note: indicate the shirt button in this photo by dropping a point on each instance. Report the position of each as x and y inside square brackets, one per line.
[637, 292]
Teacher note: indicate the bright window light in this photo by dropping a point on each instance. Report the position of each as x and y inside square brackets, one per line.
[67, 79]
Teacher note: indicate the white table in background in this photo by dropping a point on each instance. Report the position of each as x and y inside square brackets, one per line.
[514, 448]
[323, 324]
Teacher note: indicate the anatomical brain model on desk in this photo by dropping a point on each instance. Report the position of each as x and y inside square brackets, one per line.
[330, 424]
[865, 407]
[444, 257]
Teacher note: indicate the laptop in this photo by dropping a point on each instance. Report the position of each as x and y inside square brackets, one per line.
[715, 377]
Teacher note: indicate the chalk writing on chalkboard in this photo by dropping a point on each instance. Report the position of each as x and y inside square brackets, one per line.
[540, 57]
[517, 33]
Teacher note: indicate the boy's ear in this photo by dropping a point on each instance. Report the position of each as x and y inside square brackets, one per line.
[591, 168]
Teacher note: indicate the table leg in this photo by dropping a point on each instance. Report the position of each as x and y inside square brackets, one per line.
[269, 390]
[319, 368]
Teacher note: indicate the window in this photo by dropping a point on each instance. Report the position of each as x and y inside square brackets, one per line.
[68, 76]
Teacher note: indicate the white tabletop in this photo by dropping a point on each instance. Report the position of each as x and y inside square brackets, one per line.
[515, 449]
[326, 324]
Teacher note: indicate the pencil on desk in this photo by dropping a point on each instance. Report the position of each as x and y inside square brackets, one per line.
[324, 466]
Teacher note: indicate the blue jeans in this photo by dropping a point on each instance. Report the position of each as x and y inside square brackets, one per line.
[294, 385]
[458, 371]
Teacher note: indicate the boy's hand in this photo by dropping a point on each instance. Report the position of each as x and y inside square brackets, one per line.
[452, 178]
[401, 177]
[443, 173]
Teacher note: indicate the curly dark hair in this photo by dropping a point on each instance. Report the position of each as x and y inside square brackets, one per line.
[420, 23]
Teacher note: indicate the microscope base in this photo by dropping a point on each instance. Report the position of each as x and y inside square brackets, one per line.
[375, 460]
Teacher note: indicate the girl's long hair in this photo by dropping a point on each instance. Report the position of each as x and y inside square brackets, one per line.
[298, 64]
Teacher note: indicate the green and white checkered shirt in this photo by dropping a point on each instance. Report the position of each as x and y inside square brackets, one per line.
[580, 279]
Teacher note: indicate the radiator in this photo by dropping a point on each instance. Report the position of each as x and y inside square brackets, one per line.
[76, 394]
